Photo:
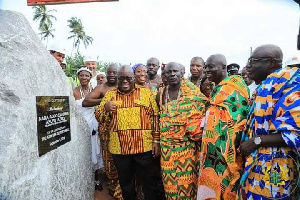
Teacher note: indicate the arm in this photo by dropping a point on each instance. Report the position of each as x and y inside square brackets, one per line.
[275, 140]
[100, 111]
[93, 98]
[76, 94]
[155, 128]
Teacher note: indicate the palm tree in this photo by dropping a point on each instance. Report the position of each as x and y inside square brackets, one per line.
[78, 33]
[46, 32]
[43, 15]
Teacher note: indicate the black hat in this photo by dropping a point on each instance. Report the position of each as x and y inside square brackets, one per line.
[233, 66]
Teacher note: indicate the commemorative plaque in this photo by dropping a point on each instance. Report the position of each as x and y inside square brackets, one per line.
[53, 122]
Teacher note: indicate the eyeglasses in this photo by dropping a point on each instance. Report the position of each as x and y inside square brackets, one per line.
[123, 78]
[256, 60]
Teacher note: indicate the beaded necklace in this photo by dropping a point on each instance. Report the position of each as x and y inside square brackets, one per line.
[82, 93]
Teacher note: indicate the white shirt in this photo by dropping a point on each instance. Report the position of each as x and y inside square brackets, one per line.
[252, 88]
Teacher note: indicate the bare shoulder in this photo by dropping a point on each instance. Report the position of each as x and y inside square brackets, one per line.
[76, 93]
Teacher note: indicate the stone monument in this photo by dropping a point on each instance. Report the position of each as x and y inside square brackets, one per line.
[27, 70]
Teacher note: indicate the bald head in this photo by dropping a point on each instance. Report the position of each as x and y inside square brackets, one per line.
[125, 69]
[215, 68]
[269, 51]
[218, 59]
[264, 60]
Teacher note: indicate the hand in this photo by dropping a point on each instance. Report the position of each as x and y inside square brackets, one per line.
[155, 149]
[248, 147]
[110, 106]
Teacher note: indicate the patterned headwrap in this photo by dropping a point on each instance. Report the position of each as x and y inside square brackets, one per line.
[135, 66]
[84, 69]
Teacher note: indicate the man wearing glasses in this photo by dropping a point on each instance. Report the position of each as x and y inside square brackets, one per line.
[154, 80]
[220, 165]
[133, 130]
[196, 70]
[271, 138]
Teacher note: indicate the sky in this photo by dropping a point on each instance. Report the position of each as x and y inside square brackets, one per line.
[131, 31]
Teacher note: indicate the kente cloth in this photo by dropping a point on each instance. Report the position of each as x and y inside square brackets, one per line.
[180, 129]
[198, 82]
[271, 173]
[109, 166]
[220, 167]
[134, 124]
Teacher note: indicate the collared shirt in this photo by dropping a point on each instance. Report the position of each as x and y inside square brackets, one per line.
[134, 124]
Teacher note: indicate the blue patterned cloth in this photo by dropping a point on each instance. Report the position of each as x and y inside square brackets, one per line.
[272, 173]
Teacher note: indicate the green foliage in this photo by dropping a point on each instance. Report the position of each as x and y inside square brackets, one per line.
[74, 63]
[78, 34]
[45, 18]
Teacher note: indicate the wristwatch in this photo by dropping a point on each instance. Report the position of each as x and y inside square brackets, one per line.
[257, 140]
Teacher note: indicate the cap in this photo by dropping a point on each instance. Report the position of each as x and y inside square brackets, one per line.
[295, 60]
[57, 47]
[233, 66]
[90, 58]
[101, 73]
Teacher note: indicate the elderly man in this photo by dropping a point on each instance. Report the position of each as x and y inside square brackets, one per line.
[101, 78]
[182, 108]
[233, 69]
[133, 132]
[91, 63]
[154, 79]
[196, 70]
[272, 133]
[220, 166]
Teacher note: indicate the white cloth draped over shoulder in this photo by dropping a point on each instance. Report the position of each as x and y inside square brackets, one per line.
[88, 114]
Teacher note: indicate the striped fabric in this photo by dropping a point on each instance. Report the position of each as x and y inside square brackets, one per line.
[134, 124]
[180, 131]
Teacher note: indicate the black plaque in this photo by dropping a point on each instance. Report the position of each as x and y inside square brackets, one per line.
[53, 122]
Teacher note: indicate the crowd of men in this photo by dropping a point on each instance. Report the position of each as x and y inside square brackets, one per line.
[216, 135]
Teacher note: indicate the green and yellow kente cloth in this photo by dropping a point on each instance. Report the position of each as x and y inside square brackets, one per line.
[180, 129]
[220, 167]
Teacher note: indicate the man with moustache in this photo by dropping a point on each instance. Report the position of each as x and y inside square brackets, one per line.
[271, 138]
[154, 79]
[196, 70]
[181, 110]
[93, 99]
[220, 166]
[133, 132]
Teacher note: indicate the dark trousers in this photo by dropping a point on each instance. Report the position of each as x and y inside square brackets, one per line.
[136, 164]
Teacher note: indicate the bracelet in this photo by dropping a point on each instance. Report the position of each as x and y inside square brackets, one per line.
[155, 141]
